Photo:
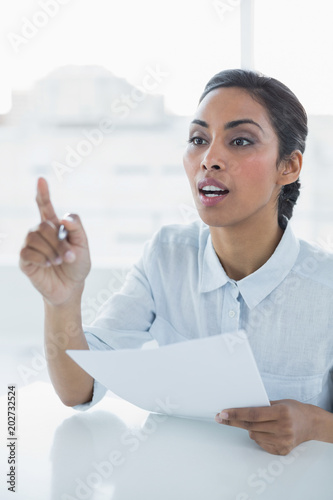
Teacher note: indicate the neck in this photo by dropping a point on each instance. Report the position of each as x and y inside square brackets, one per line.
[244, 248]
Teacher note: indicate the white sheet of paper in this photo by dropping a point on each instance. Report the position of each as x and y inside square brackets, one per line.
[193, 379]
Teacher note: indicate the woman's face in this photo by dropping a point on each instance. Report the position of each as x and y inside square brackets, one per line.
[231, 159]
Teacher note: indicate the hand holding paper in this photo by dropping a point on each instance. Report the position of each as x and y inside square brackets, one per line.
[197, 377]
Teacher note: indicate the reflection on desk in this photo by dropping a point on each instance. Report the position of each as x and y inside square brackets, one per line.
[117, 451]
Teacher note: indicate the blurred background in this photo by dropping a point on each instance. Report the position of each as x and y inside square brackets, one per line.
[97, 97]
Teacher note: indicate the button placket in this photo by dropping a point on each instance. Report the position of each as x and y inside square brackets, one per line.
[231, 308]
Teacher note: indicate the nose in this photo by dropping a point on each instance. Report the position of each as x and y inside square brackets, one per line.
[212, 160]
[212, 167]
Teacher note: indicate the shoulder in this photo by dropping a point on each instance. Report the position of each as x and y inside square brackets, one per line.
[182, 235]
[175, 246]
[315, 263]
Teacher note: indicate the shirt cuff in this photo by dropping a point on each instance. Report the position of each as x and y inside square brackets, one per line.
[99, 390]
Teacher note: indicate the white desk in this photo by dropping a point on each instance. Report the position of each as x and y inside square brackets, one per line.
[66, 455]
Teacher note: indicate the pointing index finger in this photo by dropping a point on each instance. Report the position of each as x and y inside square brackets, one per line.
[45, 206]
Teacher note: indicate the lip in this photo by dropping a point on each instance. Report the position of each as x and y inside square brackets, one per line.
[207, 201]
[210, 181]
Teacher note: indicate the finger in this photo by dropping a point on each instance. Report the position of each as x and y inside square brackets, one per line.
[30, 258]
[76, 234]
[50, 232]
[281, 401]
[45, 240]
[270, 426]
[37, 242]
[51, 224]
[272, 443]
[248, 426]
[45, 206]
[261, 437]
[253, 414]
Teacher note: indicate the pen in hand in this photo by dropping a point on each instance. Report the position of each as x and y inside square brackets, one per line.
[62, 233]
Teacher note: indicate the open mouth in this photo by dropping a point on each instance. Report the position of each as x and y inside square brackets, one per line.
[213, 191]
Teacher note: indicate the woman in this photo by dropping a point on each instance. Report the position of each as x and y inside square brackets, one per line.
[241, 267]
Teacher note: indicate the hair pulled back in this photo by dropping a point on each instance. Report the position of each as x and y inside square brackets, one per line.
[288, 118]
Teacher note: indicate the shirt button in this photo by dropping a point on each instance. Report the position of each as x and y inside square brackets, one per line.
[232, 314]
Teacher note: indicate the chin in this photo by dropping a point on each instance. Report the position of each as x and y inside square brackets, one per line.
[212, 220]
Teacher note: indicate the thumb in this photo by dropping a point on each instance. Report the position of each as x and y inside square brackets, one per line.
[76, 233]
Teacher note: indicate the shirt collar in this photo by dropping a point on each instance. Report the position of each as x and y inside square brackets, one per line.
[255, 287]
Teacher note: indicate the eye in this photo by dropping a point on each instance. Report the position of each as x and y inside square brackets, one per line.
[240, 141]
[197, 141]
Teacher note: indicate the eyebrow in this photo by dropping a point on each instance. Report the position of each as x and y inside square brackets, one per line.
[232, 124]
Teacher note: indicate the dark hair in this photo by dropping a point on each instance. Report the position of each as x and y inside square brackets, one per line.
[288, 118]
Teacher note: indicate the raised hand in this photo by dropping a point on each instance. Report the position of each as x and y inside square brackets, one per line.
[56, 268]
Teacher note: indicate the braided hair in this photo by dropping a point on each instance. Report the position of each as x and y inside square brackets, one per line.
[287, 116]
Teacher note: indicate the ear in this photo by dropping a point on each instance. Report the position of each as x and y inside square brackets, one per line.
[290, 169]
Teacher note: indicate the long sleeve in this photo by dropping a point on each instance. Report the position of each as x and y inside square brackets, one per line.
[124, 320]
